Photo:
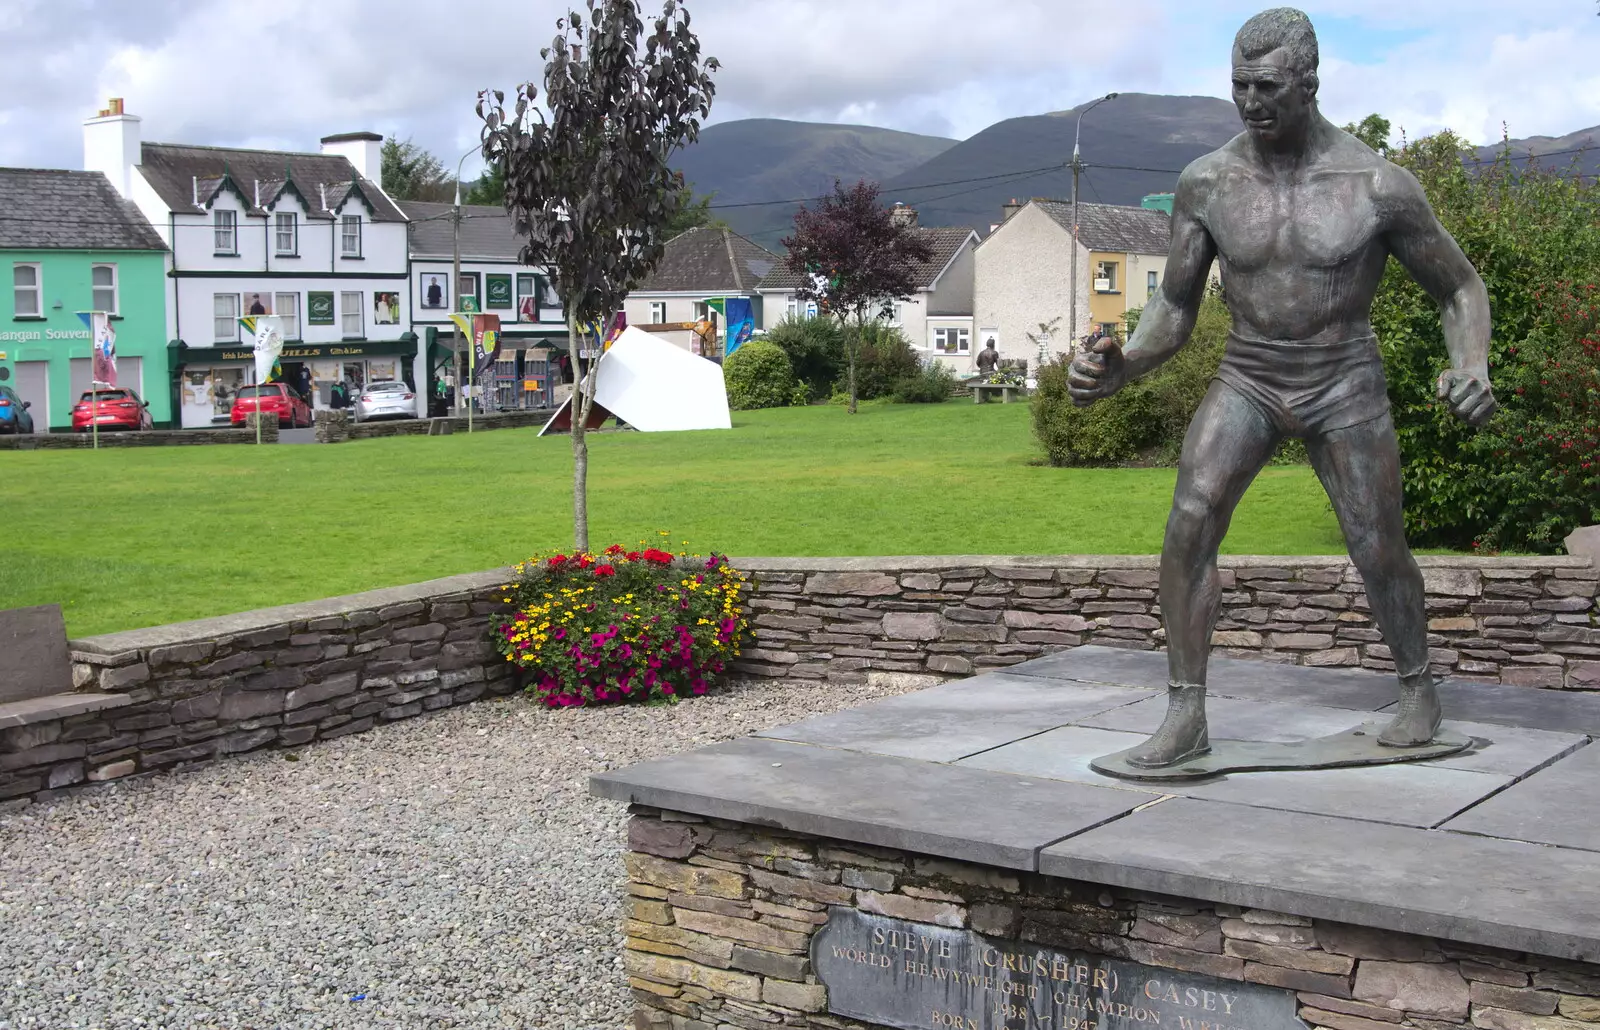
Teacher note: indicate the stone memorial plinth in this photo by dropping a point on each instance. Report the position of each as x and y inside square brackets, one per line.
[948, 858]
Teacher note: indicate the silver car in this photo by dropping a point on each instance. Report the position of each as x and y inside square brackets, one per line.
[385, 400]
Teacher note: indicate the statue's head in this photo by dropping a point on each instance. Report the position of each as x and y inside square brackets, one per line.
[1275, 73]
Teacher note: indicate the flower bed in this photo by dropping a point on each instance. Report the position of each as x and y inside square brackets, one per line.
[621, 625]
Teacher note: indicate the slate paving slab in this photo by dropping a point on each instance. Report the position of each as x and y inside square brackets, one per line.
[1521, 706]
[1226, 677]
[1522, 897]
[964, 717]
[935, 809]
[1555, 806]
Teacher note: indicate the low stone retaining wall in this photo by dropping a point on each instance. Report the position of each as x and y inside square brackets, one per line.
[1525, 621]
[279, 677]
[337, 426]
[722, 922]
[149, 438]
[284, 676]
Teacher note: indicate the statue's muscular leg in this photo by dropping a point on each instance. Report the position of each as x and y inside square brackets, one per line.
[1227, 443]
[1360, 468]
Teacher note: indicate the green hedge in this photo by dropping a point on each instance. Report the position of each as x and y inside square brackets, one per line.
[758, 375]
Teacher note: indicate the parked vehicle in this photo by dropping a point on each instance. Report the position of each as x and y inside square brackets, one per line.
[385, 399]
[110, 409]
[292, 410]
[14, 414]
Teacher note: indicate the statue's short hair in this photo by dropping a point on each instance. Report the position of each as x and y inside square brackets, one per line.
[1280, 27]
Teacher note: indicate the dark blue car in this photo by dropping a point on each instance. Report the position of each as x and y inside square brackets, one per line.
[14, 417]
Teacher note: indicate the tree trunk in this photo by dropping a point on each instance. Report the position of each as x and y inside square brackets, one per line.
[580, 445]
[851, 350]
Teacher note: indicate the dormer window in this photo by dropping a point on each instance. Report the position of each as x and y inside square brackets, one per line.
[225, 226]
[286, 234]
[350, 236]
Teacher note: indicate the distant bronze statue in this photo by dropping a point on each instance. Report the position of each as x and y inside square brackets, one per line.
[988, 358]
[1302, 218]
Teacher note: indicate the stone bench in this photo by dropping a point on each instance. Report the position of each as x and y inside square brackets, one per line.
[1007, 391]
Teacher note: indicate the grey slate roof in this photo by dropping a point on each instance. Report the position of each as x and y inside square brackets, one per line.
[1114, 228]
[50, 208]
[323, 180]
[485, 231]
[711, 261]
[944, 241]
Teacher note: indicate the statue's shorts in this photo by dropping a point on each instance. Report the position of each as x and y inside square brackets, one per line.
[1307, 389]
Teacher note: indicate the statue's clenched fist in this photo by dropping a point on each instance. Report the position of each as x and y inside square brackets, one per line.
[1098, 372]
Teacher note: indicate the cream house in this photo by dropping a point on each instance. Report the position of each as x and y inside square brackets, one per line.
[1024, 268]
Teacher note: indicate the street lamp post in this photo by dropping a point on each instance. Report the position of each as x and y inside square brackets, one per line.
[1077, 164]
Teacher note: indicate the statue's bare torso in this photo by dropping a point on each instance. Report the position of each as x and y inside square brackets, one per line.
[1301, 251]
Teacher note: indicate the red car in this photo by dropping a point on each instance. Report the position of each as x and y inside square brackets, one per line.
[110, 409]
[292, 410]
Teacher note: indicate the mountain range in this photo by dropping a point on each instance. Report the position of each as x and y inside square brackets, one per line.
[759, 170]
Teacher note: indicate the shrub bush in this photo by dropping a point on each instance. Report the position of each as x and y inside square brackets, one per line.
[1534, 237]
[932, 385]
[621, 625]
[815, 347]
[758, 375]
[885, 359]
[1148, 417]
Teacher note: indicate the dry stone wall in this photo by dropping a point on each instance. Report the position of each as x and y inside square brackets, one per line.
[719, 919]
[1528, 622]
[282, 677]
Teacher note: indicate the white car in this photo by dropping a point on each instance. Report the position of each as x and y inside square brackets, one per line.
[385, 400]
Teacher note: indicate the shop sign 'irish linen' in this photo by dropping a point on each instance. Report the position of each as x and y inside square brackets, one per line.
[911, 975]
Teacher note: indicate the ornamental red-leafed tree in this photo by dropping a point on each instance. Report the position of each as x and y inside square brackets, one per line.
[587, 182]
[854, 259]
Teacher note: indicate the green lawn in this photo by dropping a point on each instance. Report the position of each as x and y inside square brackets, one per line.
[137, 537]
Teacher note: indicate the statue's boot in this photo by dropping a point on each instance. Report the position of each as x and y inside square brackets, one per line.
[1417, 719]
[1182, 734]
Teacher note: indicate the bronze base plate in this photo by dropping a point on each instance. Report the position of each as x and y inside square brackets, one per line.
[1354, 747]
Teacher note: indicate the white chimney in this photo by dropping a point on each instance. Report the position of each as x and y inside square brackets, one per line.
[111, 145]
[363, 149]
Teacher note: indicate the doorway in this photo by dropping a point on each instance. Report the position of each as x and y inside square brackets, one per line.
[33, 386]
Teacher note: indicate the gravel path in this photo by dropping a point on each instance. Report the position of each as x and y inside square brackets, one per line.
[446, 871]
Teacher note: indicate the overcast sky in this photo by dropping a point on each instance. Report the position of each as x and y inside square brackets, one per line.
[285, 73]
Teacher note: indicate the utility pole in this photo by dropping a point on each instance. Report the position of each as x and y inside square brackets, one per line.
[1077, 165]
[455, 292]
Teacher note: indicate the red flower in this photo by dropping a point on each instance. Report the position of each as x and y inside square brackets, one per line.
[605, 570]
[632, 556]
[614, 549]
[558, 561]
[658, 557]
[585, 561]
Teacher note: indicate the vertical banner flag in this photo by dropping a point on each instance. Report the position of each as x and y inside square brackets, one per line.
[103, 366]
[619, 322]
[484, 332]
[741, 323]
[268, 333]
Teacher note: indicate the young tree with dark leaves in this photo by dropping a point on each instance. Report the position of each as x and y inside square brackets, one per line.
[587, 183]
[854, 260]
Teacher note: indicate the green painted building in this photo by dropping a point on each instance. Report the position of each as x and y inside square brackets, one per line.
[70, 243]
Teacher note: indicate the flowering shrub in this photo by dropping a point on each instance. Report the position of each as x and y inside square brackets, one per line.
[621, 625]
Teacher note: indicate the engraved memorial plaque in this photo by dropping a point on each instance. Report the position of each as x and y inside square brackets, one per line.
[916, 976]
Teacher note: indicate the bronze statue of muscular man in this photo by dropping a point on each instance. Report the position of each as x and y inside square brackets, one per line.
[1302, 218]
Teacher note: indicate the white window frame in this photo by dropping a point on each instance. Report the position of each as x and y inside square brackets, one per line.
[1107, 266]
[18, 290]
[1151, 283]
[791, 308]
[231, 334]
[286, 222]
[225, 231]
[287, 307]
[893, 313]
[346, 237]
[522, 295]
[658, 312]
[348, 310]
[95, 290]
[963, 337]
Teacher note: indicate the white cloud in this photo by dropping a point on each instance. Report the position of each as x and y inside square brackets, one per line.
[239, 72]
